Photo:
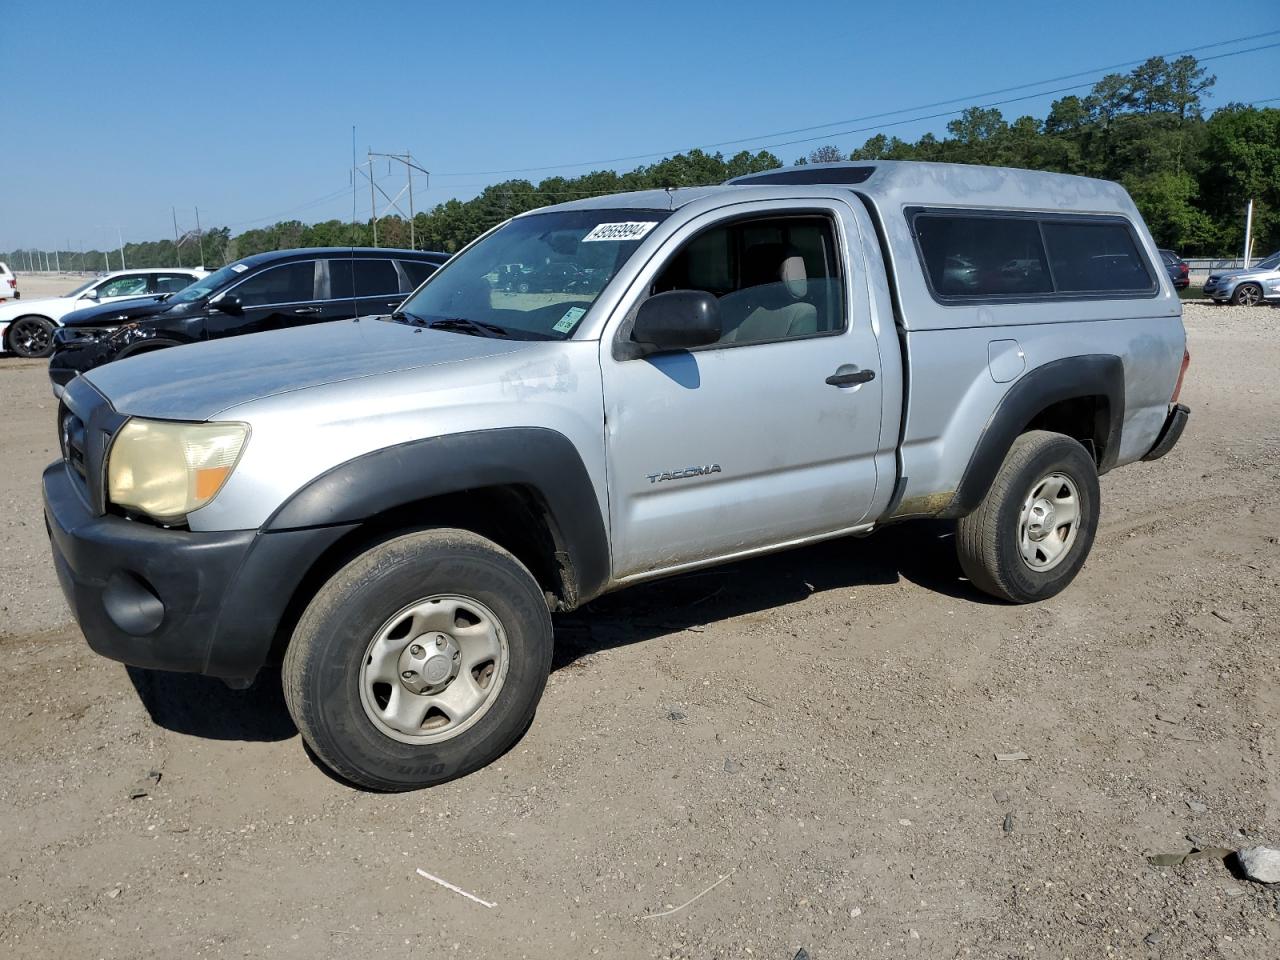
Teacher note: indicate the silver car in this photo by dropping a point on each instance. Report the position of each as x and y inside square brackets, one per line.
[1246, 288]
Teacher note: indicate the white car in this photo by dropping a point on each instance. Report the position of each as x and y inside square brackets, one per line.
[26, 326]
[8, 284]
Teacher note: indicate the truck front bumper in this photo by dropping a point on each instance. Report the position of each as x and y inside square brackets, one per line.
[1171, 432]
[197, 602]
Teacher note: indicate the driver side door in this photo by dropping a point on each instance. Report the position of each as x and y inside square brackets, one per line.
[277, 297]
[765, 437]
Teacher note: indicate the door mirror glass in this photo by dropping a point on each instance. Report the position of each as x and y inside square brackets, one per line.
[677, 320]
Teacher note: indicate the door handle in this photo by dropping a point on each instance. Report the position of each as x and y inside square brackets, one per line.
[307, 310]
[846, 376]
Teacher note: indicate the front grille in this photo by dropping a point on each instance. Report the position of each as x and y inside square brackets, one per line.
[72, 435]
[86, 424]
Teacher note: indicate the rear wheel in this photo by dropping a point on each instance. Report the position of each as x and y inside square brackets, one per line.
[1247, 295]
[1032, 532]
[31, 337]
[420, 661]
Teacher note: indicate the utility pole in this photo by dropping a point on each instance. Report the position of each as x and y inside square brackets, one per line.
[200, 237]
[120, 237]
[176, 249]
[57, 259]
[373, 206]
[413, 234]
[1248, 232]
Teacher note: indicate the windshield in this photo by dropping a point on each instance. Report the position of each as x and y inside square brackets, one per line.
[82, 288]
[534, 278]
[207, 285]
[1271, 263]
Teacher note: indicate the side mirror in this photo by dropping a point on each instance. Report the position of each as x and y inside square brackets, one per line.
[676, 320]
[90, 294]
[228, 303]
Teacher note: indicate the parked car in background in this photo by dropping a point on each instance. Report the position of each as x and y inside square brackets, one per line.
[1179, 272]
[27, 327]
[267, 291]
[1245, 288]
[397, 508]
[8, 284]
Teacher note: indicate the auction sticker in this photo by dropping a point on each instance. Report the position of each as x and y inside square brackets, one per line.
[571, 316]
[620, 232]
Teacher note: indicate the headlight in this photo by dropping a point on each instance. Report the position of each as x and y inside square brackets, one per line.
[65, 335]
[166, 470]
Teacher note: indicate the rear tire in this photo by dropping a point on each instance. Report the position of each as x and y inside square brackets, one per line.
[31, 337]
[420, 661]
[1030, 536]
[1247, 295]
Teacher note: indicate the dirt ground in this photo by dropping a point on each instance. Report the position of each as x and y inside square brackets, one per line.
[818, 728]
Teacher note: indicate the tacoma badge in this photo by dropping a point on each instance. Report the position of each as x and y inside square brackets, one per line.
[685, 473]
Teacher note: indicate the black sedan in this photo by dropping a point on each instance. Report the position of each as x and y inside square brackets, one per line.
[1179, 272]
[267, 291]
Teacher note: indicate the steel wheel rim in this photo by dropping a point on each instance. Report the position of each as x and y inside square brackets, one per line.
[1249, 295]
[456, 651]
[32, 335]
[1049, 522]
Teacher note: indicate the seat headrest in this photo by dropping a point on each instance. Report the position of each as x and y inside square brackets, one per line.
[794, 276]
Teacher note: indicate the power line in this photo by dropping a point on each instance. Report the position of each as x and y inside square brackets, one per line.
[276, 217]
[890, 113]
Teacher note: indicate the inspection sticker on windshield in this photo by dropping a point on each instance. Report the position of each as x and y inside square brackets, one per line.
[571, 316]
[631, 230]
[239, 267]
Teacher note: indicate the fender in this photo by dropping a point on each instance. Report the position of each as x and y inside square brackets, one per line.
[541, 460]
[1065, 379]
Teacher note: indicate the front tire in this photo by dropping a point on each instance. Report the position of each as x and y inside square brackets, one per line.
[31, 337]
[420, 661]
[1247, 295]
[1030, 536]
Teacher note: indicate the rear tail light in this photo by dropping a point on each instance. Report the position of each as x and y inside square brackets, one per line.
[1177, 387]
[1183, 269]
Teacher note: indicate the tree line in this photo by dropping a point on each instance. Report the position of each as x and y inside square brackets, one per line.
[1190, 175]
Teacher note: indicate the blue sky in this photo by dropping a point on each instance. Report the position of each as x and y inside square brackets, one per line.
[112, 113]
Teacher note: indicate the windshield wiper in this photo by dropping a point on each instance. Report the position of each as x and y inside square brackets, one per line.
[403, 316]
[474, 327]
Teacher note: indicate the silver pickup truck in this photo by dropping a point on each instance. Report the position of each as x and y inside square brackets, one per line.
[393, 507]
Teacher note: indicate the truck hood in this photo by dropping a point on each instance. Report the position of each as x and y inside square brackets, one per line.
[196, 382]
[1253, 273]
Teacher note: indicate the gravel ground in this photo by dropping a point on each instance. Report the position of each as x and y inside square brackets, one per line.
[819, 728]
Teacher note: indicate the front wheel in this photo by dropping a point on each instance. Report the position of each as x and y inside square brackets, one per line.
[420, 661]
[31, 337]
[1030, 536]
[1247, 295]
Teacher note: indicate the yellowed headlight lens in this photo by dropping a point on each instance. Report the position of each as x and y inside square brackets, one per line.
[167, 470]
